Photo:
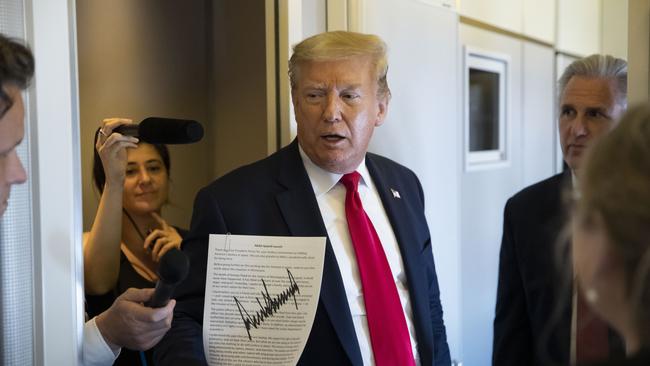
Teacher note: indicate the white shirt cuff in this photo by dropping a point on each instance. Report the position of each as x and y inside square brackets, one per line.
[95, 351]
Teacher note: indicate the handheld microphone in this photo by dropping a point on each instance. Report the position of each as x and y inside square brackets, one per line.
[159, 130]
[172, 270]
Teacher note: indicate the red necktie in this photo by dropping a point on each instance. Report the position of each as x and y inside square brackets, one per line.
[592, 343]
[389, 336]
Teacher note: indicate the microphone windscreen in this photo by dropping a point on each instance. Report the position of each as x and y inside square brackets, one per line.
[174, 266]
[158, 130]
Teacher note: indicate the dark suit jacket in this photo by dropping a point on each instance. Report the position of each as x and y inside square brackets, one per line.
[274, 197]
[532, 324]
[527, 308]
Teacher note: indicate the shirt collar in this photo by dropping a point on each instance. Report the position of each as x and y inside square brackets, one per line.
[322, 181]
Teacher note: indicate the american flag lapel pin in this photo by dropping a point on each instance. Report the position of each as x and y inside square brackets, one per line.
[395, 193]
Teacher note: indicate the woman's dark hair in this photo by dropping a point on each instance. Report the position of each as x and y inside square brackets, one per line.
[99, 176]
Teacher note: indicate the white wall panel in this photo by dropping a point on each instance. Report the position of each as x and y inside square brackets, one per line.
[422, 129]
[539, 20]
[506, 14]
[314, 17]
[538, 122]
[60, 296]
[579, 26]
[483, 196]
[615, 22]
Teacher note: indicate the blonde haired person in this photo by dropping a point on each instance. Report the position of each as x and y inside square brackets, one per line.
[379, 301]
[611, 228]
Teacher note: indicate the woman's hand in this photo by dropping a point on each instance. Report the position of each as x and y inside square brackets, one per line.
[162, 240]
[111, 147]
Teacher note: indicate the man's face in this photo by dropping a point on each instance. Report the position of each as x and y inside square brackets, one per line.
[337, 110]
[12, 130]
[588, 110]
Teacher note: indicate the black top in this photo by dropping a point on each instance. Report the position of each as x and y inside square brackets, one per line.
[128, 277]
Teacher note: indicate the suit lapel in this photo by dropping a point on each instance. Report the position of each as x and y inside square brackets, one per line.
[395, 202]
[302, 215]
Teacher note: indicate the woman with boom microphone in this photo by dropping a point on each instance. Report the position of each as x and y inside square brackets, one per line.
[128, 236]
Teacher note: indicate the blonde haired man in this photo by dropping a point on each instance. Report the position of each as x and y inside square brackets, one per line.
[379, 301]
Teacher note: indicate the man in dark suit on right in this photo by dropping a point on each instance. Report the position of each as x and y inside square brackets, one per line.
[536, 324]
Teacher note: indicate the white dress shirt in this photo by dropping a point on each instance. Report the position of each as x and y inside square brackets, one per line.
[95, 351]
[330, 195]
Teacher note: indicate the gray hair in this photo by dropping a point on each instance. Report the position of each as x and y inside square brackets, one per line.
[598, 66]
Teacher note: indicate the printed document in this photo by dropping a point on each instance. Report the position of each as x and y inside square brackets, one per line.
[261, 295]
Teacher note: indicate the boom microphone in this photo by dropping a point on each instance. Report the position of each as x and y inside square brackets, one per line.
[172, 270]
[158, 130]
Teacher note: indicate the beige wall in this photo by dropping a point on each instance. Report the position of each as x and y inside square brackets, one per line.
[638, 87]
[579, 25]
[505, 14]
[614, 31]
[205, 60]
[532, 18]
[238, 84]
[138, 59]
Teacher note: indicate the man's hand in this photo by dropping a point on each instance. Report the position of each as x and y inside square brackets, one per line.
[128, 323]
